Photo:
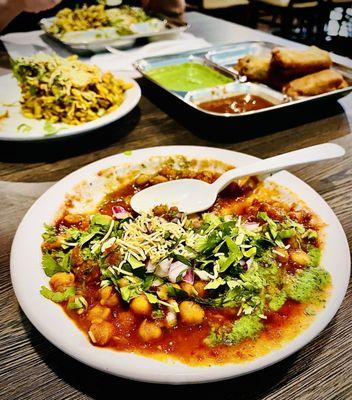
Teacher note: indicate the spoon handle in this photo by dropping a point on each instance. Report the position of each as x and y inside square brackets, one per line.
[303, 156]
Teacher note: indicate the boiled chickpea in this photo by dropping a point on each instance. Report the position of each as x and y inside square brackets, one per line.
[98, 313]
[141, 306]
[108, 297]
[188, 288]
[73, 218]
[191, 313]
[61, 280]
[158, 179]
[142, 179]
[149, 331]
[199, 287]
[168, 172]
[163, 292]
[293, 242]
[123, 282]
[101, 332]
[160, 210]
[281, 254]
[300, 257]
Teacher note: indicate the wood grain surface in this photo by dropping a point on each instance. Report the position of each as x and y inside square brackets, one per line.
[32, 368]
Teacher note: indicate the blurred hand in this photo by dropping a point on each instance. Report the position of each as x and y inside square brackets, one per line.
[165, 6]
[38, 5]
[9, 9]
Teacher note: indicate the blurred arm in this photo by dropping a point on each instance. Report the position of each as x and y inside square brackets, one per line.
[9, 9]
[174, 7]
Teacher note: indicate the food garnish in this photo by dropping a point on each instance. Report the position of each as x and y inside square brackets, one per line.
[24, 128]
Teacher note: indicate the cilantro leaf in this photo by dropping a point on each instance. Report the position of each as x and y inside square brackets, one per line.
[57, 297]
[51, 266]
[129, 292]
[101, 219]
[51, 129]
[50, 233]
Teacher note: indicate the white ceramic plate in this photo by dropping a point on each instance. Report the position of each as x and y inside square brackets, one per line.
[27, 277]
[9, 100]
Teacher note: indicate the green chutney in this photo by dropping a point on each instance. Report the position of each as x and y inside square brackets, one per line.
[187, 76]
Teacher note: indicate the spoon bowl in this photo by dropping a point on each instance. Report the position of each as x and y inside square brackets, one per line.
[189, 195]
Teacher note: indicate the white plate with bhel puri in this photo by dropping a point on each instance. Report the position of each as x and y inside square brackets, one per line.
[47, 97]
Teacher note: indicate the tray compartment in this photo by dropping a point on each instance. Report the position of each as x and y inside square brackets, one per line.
[178, 60]
[197, 97]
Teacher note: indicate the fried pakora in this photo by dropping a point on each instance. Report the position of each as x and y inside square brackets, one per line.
[300, 62]
[316, 83]
[255, 68]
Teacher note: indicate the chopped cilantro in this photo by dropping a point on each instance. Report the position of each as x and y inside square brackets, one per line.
[51, 265]
[50, 234]
[57, 297]
[306, 283]
[24, 128]
[51, 129]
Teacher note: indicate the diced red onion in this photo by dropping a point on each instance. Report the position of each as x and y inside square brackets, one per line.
[251, 225]
[176, 269]
[242, 263]
[178, 217]
[120, 213]
[171, 318]
[189, 276]
[249, 263]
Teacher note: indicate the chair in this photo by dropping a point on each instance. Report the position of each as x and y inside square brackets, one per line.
[335, 31]
[293, 17]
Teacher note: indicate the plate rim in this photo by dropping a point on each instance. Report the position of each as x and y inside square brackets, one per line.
[191, 374]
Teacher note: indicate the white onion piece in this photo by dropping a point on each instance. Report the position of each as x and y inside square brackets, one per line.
[162, 269]
[251, 226]
[203, 275]
[242, 263]
[106, 245]
[171, 318]
[176, 269]
[150, 267]
[249, 263]
[157, 283]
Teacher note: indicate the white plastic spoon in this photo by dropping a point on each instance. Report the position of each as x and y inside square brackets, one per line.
[193, 195]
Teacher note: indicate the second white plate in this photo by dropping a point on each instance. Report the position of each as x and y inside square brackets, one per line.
[9, 100]
[27, 276]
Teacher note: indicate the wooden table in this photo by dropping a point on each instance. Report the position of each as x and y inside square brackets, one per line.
[31, 367]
